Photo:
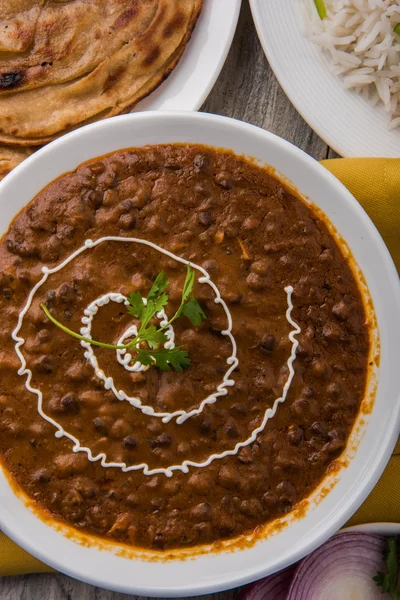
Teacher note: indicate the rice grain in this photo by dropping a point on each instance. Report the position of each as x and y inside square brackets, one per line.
[358, 38]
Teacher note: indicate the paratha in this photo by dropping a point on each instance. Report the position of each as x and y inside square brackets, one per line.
[65, 64]
[11, 156]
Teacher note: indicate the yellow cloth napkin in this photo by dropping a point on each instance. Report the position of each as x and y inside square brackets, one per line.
[383, 503]
[15, 561]
[375, 182]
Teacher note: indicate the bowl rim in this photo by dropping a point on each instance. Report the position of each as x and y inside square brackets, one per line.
[384, 451]
[386, 528]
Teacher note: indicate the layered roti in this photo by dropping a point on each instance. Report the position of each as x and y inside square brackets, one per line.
[66, 64]
[11, 156]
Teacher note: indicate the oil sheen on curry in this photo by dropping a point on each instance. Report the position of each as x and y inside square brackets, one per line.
[232, 348]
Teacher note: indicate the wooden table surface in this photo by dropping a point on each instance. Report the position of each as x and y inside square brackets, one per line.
[246, 90]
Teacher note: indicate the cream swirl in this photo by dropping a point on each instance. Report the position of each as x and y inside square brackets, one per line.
[125, 358]
[232, 361]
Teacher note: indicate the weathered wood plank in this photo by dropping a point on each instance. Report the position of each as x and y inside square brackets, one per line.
[60, 587]
[248, 90]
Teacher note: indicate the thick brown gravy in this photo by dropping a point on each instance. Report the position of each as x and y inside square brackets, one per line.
[254, 237]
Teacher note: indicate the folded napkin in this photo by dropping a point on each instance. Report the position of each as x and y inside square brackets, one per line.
[375, 182]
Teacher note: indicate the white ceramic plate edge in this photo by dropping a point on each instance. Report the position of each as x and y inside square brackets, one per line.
[361, 130]
[256, 12]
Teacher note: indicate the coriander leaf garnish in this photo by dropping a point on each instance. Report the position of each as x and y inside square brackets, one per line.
[156, 300]
[136, 305]
[159, 285]
[193, 311]
[189, 306]
[188, 285]
[145, 358]
[151, 309]
[165, 359]
[389, 581]
[155, 337]
[78, 335]
[145, 310]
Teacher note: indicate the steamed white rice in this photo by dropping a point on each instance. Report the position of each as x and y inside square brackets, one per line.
[358, 37]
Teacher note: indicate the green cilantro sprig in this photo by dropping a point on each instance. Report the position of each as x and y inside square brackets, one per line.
[389, 581]
[149, 335]
[321, 8]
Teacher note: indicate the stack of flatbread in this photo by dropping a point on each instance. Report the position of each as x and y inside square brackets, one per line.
[64, 64]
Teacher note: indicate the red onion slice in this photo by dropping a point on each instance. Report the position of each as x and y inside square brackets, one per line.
[274, 587]
[342, 568]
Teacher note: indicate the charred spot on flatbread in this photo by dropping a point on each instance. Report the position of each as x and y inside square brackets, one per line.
[10, 79]
[66, 64]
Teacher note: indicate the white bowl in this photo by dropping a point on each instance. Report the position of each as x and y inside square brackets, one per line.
[211, 572]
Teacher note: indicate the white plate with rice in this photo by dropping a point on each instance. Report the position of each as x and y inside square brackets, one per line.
[316, 61]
